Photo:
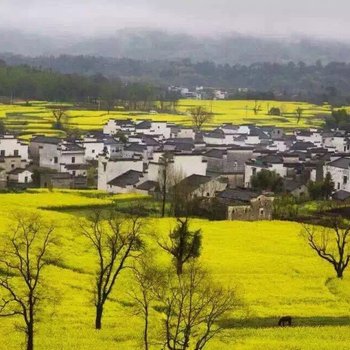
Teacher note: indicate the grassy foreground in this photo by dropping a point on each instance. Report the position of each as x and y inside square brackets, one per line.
[268, 262]
[37, 118]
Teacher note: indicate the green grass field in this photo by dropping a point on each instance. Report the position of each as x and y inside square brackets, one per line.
[269, 263]
[37, 118]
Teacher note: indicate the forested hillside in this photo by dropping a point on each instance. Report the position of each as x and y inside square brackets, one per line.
[316, 83]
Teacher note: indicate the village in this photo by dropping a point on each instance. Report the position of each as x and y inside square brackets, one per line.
[128, 157]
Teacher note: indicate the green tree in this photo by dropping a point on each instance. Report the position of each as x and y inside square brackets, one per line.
[183, 244]
[328, 186]
[275, 111]
[266, 180]
[321, 189]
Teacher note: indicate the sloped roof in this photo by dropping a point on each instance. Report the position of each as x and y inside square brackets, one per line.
[193, 181]
[302, 146]
[147, 185]
[146, 124]
[343, 163]
[135, 147]
[76, 166]
[254, 131]
[215, 153]
[46, 139]
[341, 195]
[232, 195]
[149, 140]
[18, 171]
[291, 185]
[72, 146]
[130, 178]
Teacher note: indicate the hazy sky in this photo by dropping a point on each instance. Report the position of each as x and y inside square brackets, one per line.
[320, 18]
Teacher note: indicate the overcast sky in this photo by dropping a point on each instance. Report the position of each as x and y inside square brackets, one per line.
[318, 18]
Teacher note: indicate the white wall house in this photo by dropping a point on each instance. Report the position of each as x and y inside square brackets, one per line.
[252, 168]
[278, 145]
[55, 156]
[309, 136]
[11, 146]
[94, 146]
[109, 169]
[186, 133]
[21, 176]
[183, 165]
[337, 143]
[161, 128]
[113, 126]
[340, 172]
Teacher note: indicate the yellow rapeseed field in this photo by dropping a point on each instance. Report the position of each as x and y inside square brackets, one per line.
[268, 262]
[37, 118]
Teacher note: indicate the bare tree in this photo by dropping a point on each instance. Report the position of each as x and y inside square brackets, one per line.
[299, 112]
[331, 243]
[200, 116]
[60, 116]
[24, 257]
[148, 280]
[257, 107]
[116, 240]
[193, 305]
[183, 244]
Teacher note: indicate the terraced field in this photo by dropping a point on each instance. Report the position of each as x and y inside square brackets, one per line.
[37, 118]
[274, 272]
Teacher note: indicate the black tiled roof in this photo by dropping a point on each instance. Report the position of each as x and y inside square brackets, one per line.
[130, 178]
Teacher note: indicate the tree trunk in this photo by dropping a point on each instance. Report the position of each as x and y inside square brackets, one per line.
[179, 266]
[99, 313]
[339, 273]
[164, 192]
[145, 331]
[30, 336]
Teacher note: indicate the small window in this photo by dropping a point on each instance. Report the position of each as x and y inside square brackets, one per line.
[2, 153]
[26, 179]
[12, 166]
[261, 211]
[73, 160]
[104, 166]
[55, 160]
[93, 151]
[345, 180]
[73, 172]
[208, 194]
[338, 186]
[16, 153]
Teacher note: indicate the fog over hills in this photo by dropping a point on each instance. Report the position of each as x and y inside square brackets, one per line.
[147, 44]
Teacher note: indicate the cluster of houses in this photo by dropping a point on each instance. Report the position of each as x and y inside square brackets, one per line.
[199, 92]
[128, 156]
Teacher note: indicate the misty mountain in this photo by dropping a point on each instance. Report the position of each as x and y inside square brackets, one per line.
[148, 44]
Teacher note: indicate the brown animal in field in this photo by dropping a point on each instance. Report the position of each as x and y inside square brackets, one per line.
[285, 321]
